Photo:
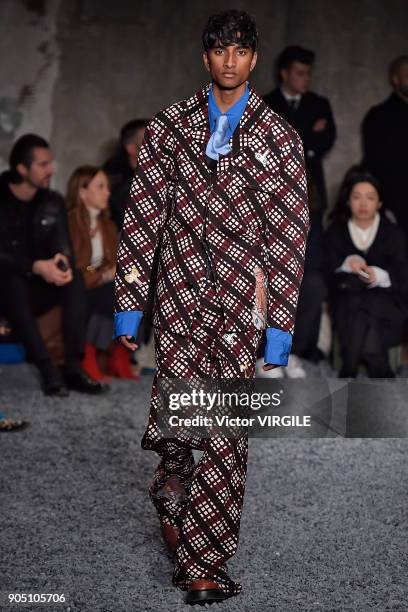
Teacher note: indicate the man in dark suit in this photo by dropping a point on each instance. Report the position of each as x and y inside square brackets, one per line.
[311, 116]
[309, 113]
[385, 149]
[121, 167]
[385, 142]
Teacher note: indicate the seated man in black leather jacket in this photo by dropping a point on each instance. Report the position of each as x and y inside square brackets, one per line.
[36, 265]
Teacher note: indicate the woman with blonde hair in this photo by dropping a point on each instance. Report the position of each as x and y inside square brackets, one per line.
[95, 239]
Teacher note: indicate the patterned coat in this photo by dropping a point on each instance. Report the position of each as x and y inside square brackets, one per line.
[245, 225]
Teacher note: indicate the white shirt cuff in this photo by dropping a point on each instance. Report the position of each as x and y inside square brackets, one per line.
[382, 278]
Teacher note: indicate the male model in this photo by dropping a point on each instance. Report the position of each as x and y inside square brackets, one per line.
[219, 200]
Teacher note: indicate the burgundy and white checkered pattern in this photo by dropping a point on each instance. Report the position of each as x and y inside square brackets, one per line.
[212, 232]
[251, 213]
[210, 516]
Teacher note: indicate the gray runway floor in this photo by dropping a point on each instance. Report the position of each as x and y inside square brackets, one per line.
[324, 525]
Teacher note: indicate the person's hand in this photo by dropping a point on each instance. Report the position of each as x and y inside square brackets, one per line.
[48, 270]
[109, 274]
[61, 257]
[356, 264]
[371, 275]
[126, 341]
[320, 125]
[269, 366]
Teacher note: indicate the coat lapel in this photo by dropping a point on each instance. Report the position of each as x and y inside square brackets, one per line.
[252, 112]
[250, 131]
[194, 121]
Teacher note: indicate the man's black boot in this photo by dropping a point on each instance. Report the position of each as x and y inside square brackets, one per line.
[52, 381]
[78, 380]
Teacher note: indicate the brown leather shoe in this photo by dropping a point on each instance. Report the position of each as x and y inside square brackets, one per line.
[198, 585]
[205, 591]
[170, 535]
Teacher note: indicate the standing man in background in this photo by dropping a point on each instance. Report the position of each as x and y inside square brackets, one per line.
[385, 142]
[385, 155]
[306, 111]
[311, 116]
[120, 168]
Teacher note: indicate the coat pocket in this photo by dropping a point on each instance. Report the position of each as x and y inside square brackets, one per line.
[251, 208]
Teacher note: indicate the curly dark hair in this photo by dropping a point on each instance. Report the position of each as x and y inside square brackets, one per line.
[231, 28]
[356, 174]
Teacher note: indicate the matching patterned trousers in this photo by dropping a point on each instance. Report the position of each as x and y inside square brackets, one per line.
[203, 499]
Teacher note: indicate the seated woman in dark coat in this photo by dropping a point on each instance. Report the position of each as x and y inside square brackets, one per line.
[367, 274]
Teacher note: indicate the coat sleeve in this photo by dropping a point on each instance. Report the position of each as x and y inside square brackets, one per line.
[18, 264]
[78, 241]
[397, 260]
[373, 137]
[92, 278]
[335, 252]
[61, 237]
[287, 226]
[145, 216]
[322, 141]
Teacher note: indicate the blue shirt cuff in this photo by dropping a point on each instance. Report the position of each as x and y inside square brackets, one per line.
[278, 346]
[127, 323]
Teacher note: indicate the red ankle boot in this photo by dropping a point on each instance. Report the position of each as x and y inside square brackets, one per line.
[90, 365]
[119, 365]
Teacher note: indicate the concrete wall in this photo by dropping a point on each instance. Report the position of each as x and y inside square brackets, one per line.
[75, 71]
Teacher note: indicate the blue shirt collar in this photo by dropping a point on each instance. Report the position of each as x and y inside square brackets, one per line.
[234, 113]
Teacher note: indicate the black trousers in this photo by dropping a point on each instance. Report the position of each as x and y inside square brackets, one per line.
[26, 298]
[367, 324]
[101, 300]
[100, 309]
[309, 311]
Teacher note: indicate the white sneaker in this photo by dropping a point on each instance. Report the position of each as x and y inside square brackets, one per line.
[294, 369]
[260, 372]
